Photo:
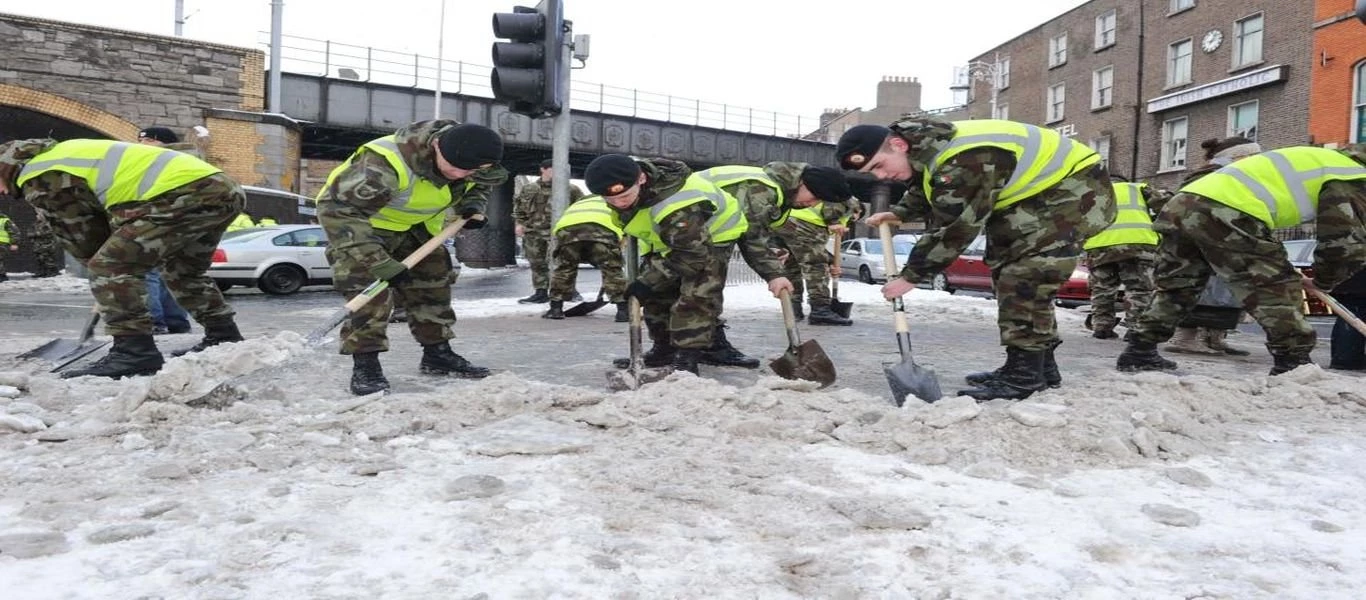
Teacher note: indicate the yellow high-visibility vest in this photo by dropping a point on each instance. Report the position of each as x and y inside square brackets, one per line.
[1043, 156]
[415, 201]
[1132, 223]
[241, 221]
[119, 172]
[4, 231]
[1279, 187]
[726, 225]
[588, 210]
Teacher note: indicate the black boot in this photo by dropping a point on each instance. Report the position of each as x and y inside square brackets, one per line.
[223, 331]
[1287, 361]
[1142, 356]
[623, 313]
[540, 297]
[1021, 376]
[686, 359]
[797, 309]
[556, 310]
[366, 375]
[660, 354]
[722, 354]
[439, 359]
[1051, 375]
[1104, 333]
[130, 355]
[822, 315]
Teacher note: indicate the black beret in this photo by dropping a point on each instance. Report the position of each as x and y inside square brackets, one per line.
[160, 134]
[548, 163]
[859, 144]
[826, 183]
[470, 146]
[611, 174]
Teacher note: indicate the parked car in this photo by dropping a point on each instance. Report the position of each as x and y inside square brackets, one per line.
[970, 272]
[862, 257]
[279, 259]
[1301, 255]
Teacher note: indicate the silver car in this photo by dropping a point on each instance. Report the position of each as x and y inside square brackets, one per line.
[862, 257]
[279, 259]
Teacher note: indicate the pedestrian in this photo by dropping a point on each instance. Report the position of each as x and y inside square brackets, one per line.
[47, 250]
[587, 233]
[1039, 196]
[267, 221]
[9, 243]
[241, 221]
[1348, 346]
[689, 227]
[1122, 255]
[391, 196]
[1222, 223]
[123, 209]
[788, 206]
[167, 315]
[531, 213]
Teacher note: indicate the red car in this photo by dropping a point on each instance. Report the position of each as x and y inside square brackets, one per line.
[970, 272]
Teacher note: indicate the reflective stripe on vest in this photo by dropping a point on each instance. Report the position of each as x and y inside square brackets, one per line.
[416, 200]
[1132, 223]
[733, 174]
[1279, 187]
[726, 225]
[810, 214]
[1043, 157]
[588, 210]
[119, 172]
[4, 231]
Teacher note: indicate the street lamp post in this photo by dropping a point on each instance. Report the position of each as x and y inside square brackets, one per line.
[979, 70]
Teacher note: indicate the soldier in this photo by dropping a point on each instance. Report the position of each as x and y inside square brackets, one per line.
[786, 204]
[531, 212]
[167, 315]
[1122, 255]
[385, 201]
[689, 226]
[1039, 196]
[9, 242]
[1223, 223]
[587, 233]
[47, 250]
[123, 209]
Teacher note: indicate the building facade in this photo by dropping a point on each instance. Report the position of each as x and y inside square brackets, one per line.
[1337, 105]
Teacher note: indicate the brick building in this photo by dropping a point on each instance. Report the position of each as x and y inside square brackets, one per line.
[1337, 106]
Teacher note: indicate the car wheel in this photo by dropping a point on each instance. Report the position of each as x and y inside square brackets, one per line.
[223, 287]
[941, 282]
[865, 274]
[281, 280]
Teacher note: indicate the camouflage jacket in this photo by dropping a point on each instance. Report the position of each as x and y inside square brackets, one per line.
[684, 232]
[531, 207]
[14, 155]
[365, 186]
[1340, 227]
[762, 207]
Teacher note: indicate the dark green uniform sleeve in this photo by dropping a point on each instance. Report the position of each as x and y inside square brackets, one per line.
[477, 198]
[14, 155]
[521, 204]
[759, 202]
[1341, 232]
[964, 191]
[345, 208]
[912, 207]
[689, 242]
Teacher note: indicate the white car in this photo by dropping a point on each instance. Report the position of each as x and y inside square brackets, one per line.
[279, 259]
[862, 257]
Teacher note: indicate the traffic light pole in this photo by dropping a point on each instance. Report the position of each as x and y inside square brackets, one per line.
[560, 132]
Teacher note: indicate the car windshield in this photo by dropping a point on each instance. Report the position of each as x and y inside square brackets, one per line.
[899, 247]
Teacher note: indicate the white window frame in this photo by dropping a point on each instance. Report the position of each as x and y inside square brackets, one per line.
[1003, 74]
[1169, 159]
[1233, 110]
[1176, 6]
[1239, 37]
[1056, 96]
[1099, 144]
[1173, 57]
[1102, 93]
[1057, 50]
[1002, 111]
[1112, 17]
[1357, 135]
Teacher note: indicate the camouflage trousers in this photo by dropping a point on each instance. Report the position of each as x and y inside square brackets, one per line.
[177, 231]
[808, 266]
[536, 249]
[426, 296]
[4, 254]
[47, 254]
[689, 309]
[1033, 247]
[606, 257]
[1135, 275]
[1200, 237]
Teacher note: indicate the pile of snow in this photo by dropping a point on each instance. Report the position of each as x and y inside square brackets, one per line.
[57, 284]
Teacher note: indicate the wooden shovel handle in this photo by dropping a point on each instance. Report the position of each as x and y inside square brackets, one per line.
[884, 231]
[789, 319]
[412, 259]
[1339, 310]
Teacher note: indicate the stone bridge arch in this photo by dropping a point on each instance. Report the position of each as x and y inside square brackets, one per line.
[76, 113]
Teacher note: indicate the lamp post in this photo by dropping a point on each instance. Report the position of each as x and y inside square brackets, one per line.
[979, 70]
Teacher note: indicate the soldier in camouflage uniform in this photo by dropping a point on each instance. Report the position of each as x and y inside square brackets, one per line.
[681, 281]
[1223, 223]
[809, 265]
[587, 233]
[379, 206]
[531, 212]
[47, 250]
[971, 175]
[152, 208]
[1122, 255]
[9, 242]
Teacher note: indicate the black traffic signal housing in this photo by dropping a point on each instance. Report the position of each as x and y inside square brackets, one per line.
[526, 70]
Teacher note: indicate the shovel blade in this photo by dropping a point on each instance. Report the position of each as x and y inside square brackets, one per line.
[634, 377]
[909, 379]
[76, 354]
[807, 362]
[53, 350]
[584, 308]
[841, 308]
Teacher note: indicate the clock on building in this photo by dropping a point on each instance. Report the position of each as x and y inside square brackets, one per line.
[1211, 41]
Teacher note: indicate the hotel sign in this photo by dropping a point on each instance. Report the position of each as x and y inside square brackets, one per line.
[1232, 85]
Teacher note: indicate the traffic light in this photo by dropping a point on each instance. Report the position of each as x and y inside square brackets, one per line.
[526, 70]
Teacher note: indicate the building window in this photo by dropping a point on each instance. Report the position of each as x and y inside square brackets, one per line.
[1247, 41]
[1003, 73]
[1102, 87]
[1002, 112]
[1242, 120]
[1102, 147]
[1179, 63]
[1173, 145]
[1177, 6]
[1057, 50]
[1105, 30]
[1057, 100]
[1359, 105]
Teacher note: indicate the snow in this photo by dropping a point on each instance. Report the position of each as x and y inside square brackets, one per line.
[1145, 486]
[22, 283]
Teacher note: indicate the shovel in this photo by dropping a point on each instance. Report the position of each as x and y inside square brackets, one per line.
[229, 391]
[584, 308]
[803, 360]
[62, 352]
[636, 374]
[1338, 309]
[905, 378]
[840, 308]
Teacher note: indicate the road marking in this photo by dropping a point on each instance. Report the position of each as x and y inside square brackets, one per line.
[86, 306]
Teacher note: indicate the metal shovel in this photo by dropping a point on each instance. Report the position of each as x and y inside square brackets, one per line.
[803, 360]
[636, 373]
[905, 378]
[840, 308]
[584, 308]
[62, 352]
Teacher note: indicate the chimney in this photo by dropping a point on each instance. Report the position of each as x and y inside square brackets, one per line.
[902, 94]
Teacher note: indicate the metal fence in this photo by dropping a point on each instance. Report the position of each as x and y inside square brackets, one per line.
[308, 56]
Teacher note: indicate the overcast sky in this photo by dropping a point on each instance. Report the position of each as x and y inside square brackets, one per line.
[792, 57]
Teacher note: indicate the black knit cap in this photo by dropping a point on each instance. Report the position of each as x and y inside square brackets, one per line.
[826, 183]
[858, 145]
[470, 146]
[611, 174]
[1215, 145]
[160, 134]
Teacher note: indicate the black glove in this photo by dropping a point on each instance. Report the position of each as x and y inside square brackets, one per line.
[470, 221]
[402, 278]
[639, 290]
